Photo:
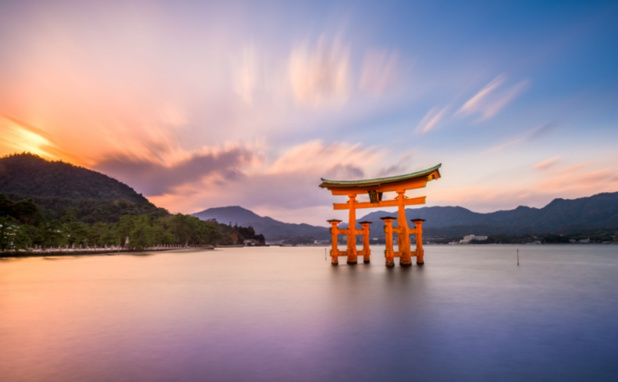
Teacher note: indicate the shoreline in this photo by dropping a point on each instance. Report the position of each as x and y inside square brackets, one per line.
[92, 251]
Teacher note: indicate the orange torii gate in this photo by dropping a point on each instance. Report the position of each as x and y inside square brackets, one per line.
[376, 189]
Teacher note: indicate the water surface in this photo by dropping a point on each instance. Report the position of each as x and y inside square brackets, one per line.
[283, 314]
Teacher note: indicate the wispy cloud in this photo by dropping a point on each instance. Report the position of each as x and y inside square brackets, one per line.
[489, 101]
[431, 119]
[153, 178]
[574, 168]
[245, 76]
[319, 75]
[402, 166]
[547, 163]
[527, 136]
[475, 102]
[20, 136]
[335, 160]
[574, 182]
[379, 71]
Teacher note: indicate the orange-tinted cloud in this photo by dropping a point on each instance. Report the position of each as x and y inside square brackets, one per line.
[319, 74]
[577, 180]
[339, 159]
[547, 163]
[19, 136]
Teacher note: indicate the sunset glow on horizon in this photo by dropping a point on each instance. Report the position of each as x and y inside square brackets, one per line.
[209, 104]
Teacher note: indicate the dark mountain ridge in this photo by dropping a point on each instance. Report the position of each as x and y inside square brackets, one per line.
[60, 187]
[597, 212]
[561, 216]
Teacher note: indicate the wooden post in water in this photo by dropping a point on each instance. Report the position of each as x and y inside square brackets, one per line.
[420, 252]
[366, 250]
[334, 231]
[352, 255]
[388, 234]
[403, 238]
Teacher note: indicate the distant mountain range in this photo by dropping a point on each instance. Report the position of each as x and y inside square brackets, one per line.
[598, 212]
[272, 229]
[60, 187]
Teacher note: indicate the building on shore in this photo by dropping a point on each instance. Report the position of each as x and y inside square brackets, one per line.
[470, 238]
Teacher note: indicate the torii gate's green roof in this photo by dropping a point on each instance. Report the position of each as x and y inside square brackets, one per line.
[378, 181]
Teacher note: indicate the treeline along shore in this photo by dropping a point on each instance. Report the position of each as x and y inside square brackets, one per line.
[56, 207]
[25, 229]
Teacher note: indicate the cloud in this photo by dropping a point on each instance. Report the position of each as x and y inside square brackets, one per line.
[402, 166]
[493, 197]
[19, 136]
[379, 71]
[173, 115]
[319, 75]
[431, 119]
[153, 178]
[475, 102]
[574, 182]
[488, 102]
[573, 168]
[245, 75]
[340, 159]
[289, 183]
[547, 163]
[528, 136]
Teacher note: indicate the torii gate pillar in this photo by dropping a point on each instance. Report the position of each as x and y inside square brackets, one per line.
[352, 255]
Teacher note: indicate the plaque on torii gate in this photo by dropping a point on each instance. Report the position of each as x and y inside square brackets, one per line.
[376, 188]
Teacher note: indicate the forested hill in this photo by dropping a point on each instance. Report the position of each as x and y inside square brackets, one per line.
[60, 187]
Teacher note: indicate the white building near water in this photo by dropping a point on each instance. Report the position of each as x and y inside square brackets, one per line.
[467, 239]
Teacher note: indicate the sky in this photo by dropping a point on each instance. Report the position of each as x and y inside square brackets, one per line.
[199, 104]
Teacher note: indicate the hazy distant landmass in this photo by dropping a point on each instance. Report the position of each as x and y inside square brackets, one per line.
[561, 216]
[272, 229]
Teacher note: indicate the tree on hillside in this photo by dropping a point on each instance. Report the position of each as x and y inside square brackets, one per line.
[143, 234]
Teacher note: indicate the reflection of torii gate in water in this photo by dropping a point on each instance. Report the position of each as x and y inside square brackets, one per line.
[376, 188]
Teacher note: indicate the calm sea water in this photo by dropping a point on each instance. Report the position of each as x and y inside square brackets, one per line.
[284, 314]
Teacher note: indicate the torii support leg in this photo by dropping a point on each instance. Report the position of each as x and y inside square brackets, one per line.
[352, 255]
[366, 250]
[405, 259]
[334, 231]
[420, 252]
[388, 234]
